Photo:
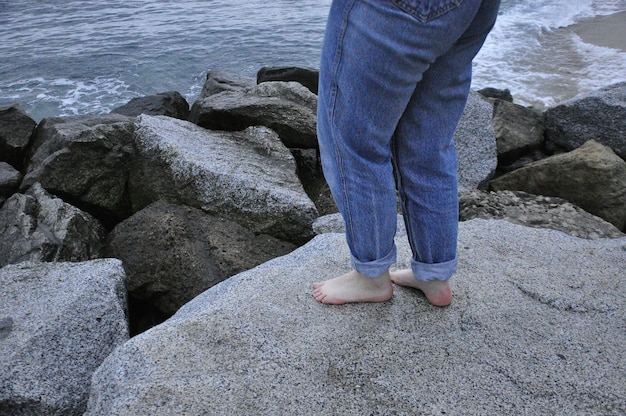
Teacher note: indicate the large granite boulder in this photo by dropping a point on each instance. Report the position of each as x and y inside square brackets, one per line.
[16, 129]
[172, 253]
[37, 226]
[170, 103]
[475, 144]
[248, 177]
[220, 81]
[599, 115]
[535, 211]
[58, 322]
[532, 330]
[592, 177]
[286, 107]
[85, 159]
[518, 131]
[306, 76]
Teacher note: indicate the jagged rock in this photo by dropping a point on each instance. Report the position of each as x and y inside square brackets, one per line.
[16, 129]
[518, 131]
[535, 211]
[305, 76]
[172, 253]
[286, 107]
[499, 94]
[532, 330]
[170, 103]
[219, 81]
[9, 180]
[39, 227]
[85, 159]
[599, 115]
[58, 322]
[592, 177]
[475, 144]
[248, 177]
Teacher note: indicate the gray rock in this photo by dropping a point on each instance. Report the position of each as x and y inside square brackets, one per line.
[306, 76]
[475, 144]
[248, 177]
[286, 107]
[518, 130]
[535, 211]
[16, 129]
[592, 177]
[599, 115]
[58, 322]
[172, 253]
[170, 103]
[219, 81]
[86, 160]
[10, 179]
[536, 328]
[39, 227]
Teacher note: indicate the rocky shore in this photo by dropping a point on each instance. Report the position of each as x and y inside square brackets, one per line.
[158, 260]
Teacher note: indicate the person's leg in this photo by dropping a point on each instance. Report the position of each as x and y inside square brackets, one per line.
[373, 57]
[425, 157]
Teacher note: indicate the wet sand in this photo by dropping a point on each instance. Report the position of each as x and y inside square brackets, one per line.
[608, 31]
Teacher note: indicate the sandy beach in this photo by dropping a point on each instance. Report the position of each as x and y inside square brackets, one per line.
[608, 31]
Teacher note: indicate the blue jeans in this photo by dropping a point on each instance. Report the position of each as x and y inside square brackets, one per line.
[394, 80]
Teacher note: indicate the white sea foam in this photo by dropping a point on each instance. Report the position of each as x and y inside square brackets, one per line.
[66, 97]
[89, 57]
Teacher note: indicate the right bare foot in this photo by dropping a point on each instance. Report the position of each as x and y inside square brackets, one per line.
[437, 292]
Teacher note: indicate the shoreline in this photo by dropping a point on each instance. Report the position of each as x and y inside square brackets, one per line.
[606, 31]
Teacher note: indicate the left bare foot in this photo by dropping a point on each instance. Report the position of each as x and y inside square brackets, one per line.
[437, 292]
[353, 287]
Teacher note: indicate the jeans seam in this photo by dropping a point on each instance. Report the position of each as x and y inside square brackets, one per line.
[425, 17]
[333, 104]
[403, 198]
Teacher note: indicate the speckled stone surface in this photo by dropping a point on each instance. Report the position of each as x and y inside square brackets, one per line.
[58, 322]
[537, 327]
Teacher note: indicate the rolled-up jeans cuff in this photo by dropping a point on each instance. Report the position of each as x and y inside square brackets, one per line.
[376, 267]
[434, 271]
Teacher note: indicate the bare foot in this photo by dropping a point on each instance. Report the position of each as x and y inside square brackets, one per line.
[353, 287]
[437, 292]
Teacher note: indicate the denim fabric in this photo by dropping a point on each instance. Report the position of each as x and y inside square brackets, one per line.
[394, 80]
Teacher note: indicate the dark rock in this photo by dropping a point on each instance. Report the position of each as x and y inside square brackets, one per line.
[535, 211]
[287, 108]
[38, 227]
[172, 253]
[171, 104]
[58, 322]
[9, 180]
[16, 130]
[599, 116]
[85, 160]
[219, 81]
[518, 131]
[592, 177]
[305, 76]
[504, 94]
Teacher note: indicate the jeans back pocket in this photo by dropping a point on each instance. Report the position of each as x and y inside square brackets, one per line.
[427, 10]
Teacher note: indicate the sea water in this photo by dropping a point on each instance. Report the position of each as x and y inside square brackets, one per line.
[69, 57]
